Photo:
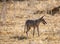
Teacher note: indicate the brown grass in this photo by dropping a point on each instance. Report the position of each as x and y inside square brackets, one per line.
[12, 30]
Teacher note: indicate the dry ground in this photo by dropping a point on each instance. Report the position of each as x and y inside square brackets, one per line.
[12, 23]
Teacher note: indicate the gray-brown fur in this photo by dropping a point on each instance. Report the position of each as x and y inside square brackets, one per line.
[34, 24]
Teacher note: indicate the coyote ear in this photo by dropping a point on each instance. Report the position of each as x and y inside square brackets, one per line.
[42, 17]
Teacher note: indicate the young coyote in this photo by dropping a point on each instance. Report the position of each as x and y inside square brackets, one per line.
[34, 24]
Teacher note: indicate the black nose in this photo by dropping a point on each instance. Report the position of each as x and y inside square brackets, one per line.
[46, 23]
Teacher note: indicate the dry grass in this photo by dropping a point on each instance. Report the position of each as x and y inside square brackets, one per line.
[12, 28]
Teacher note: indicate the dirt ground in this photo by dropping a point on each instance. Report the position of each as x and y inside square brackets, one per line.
[13, 16]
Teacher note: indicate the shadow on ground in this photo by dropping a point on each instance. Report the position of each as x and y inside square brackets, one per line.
[19, 37]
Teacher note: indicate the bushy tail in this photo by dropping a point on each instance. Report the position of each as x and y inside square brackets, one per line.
[25, 28]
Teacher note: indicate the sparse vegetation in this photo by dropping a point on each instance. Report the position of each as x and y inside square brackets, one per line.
[13, 21]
